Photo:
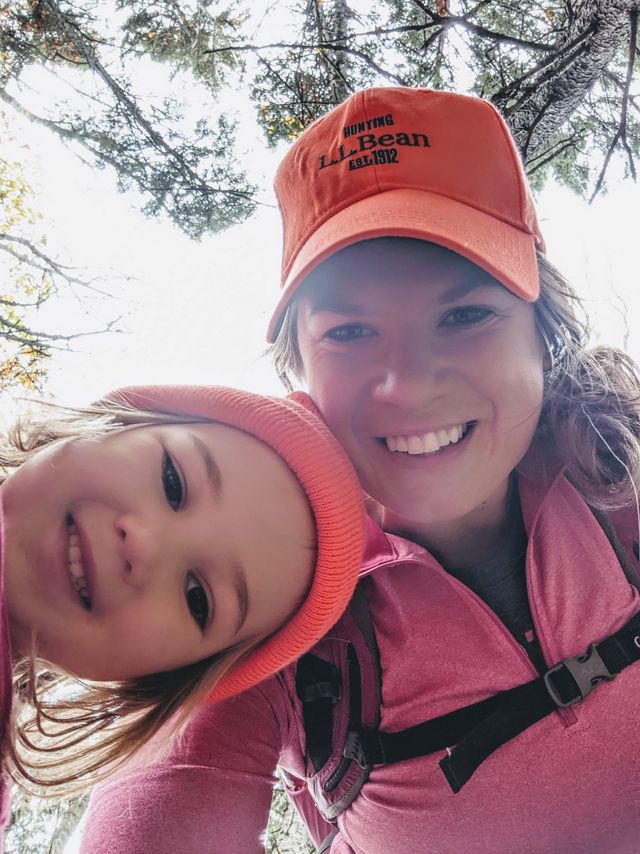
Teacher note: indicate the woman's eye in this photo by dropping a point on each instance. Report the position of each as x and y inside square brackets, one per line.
[197, 601]
[466, 316]
[349, 332]
[171, 483]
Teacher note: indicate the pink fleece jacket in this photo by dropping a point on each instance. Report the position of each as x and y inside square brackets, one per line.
[571, 783]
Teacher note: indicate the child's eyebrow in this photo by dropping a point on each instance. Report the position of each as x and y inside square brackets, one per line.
[242, 592]
[214, 475]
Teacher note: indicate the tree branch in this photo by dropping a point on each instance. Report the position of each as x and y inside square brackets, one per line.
[21, 334]
[621, 132]
[50, 265]
[311, 47]
[613, 78]
[492, 35]
[543, 159]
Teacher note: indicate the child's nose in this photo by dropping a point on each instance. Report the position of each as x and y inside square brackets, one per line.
[137, 547]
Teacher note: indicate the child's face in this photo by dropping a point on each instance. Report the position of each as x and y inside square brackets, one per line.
[402, 339]
[187, 538]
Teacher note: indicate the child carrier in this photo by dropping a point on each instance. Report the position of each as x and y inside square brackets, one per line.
[340, 693]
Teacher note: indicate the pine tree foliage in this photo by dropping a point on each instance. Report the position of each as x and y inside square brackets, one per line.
[181, 36]
[562, 72]
[91, 55]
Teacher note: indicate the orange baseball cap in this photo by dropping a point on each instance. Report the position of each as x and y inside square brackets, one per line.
[294, 430]
[403, 162]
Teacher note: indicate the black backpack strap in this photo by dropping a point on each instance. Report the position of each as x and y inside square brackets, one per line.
[568, 682]
[471, 734]
[330, 735]
[319, 687]
[360, 609]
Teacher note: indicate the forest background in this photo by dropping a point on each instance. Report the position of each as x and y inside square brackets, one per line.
[139, 239]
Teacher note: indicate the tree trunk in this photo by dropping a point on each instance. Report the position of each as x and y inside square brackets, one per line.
[536, 108]
[340, 85]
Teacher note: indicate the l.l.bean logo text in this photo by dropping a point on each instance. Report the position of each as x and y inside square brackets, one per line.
[366, 147]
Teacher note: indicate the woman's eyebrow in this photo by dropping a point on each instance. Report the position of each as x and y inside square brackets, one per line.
[338, 306]
[214, 475]
[464, 288]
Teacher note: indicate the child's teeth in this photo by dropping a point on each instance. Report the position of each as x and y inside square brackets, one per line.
[74, 560]
[74, 565]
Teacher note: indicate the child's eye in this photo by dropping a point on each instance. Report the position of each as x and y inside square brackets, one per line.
[171, 483]
[197, 601]
[349, 332]
[467, 315]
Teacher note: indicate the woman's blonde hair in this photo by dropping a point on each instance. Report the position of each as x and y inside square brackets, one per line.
[67, 733]
[591, 406]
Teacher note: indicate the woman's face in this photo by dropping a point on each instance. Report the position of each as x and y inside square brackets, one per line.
[427, 370]
[152, 548]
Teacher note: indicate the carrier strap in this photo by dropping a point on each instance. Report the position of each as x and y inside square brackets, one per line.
[319, 687]
[471, 734]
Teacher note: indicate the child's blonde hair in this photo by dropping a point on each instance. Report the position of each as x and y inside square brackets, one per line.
[591, 405]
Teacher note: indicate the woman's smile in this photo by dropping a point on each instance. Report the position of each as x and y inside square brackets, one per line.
[425, 442]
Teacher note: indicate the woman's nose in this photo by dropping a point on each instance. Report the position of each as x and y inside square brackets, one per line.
[410, 376]
[138, 548]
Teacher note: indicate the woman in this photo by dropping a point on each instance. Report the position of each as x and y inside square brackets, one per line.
[501, 457]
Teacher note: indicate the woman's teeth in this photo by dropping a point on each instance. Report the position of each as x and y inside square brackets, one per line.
[426, 443]
[74, 565]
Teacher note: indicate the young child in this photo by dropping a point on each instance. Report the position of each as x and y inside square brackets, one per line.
[501, 455]
[169, 543]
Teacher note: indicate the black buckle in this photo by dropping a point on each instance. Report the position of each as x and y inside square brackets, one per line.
[587, 670]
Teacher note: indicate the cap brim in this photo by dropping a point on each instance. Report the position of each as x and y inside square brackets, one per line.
[506, 252]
